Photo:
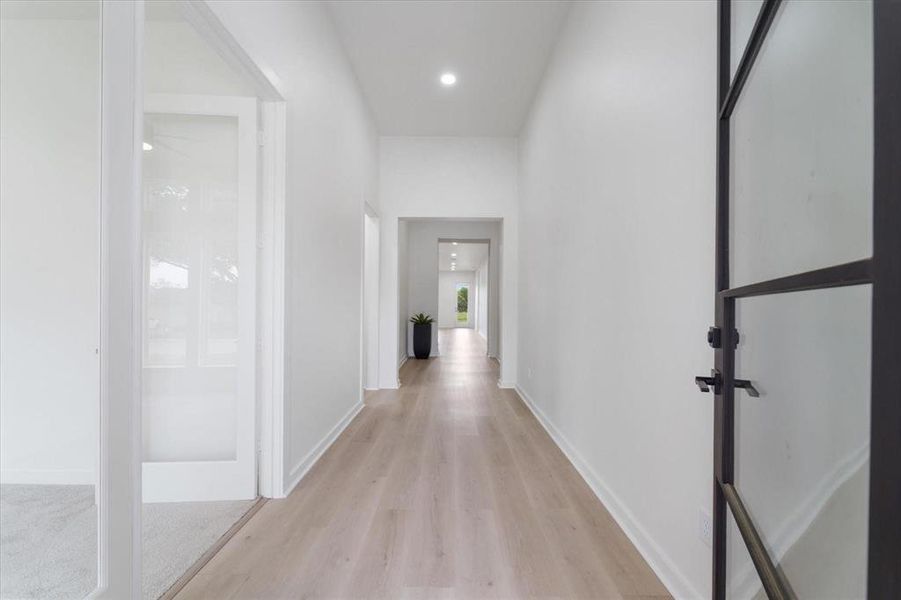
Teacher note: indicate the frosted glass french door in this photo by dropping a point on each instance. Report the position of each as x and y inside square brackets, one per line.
[199, 202]
[808, 301]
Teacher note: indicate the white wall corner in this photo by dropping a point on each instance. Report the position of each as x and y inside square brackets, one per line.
[663, 566]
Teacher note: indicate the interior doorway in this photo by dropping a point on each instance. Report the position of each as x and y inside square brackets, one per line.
[463, 288]
[462, 308]
[370, 317]
[209, 283]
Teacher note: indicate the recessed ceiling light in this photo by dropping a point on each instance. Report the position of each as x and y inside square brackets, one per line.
[147, 147]
[454, 254]
[454, 243]
[448, 79]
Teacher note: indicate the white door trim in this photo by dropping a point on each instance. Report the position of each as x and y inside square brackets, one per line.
[119, 451]
[271, 341]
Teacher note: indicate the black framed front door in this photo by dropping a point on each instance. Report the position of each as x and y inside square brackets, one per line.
[807, 333]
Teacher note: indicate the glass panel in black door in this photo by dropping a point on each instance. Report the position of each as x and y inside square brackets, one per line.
[802, 445]
[802, 144]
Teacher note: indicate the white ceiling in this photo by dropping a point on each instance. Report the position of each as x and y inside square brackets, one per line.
[469, 255]
[498, 50]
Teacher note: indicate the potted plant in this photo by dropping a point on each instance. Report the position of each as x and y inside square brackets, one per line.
[422, 335]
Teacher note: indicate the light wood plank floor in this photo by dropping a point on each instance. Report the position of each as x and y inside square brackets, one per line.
[445, 488]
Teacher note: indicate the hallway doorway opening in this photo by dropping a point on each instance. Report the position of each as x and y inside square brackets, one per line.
[437, 259]
[462, 305]
[370, 295]
[463, 287]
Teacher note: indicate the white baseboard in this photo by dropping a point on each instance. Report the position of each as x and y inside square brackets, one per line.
[306, 463]
[48, 476]
[402, 362]
[671, 577]
[506, 385]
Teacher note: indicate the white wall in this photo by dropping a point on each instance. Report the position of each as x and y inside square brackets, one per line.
[464, 178]
[332, 170]
[481, 299]
[447, 297]
[370, 302]
[49, 250]
[422, 271]
[616, 266]
[177, 60]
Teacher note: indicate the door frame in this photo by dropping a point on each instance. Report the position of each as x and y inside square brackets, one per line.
[369, 325]
[120, 449]
[271, 238]
[488, 292]
[882, 271]
[236, 479]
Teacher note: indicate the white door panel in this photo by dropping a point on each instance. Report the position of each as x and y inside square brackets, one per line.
[199, 199]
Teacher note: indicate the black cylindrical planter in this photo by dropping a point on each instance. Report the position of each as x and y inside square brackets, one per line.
[422, 340]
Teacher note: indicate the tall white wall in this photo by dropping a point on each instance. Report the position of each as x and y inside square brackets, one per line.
[616, 266]
[447, 297]
[462, 178]
[332, 170]
[49, 250]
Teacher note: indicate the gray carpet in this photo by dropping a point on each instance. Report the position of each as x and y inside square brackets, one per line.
[48, 540]
[176, 534]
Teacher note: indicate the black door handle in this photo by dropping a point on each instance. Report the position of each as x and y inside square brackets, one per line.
[748, 387]
[714, 381]
[705, 383]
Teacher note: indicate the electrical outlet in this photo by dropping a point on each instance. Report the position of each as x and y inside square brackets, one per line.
[705, 526]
